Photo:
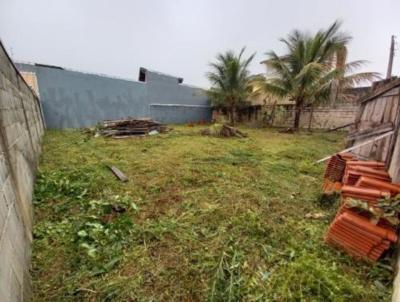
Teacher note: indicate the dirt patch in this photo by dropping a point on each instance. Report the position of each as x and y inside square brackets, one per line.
[162, 205]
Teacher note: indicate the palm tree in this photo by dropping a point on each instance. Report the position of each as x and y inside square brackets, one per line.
[308, 71]
[346, 78]
[231, 81]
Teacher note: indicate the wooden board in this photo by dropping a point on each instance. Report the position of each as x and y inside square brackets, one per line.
[372, 131]
[118, 173]
[388, 110]
[394, 108]
[394, 168]
[379, 109]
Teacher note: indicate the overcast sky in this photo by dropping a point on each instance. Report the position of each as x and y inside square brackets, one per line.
[181, 37]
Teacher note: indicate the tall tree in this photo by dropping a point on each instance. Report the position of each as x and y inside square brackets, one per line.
[310, 68]
[231, 81]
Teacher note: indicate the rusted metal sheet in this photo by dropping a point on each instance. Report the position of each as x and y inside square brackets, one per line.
[31, 79]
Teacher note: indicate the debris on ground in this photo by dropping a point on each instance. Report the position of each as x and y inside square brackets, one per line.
[318, 215]
[388, 209]
[366, 222]
[340, 127]
[118, 173]
[287, 130]
[131, 127]
[223, 130]
[153, 132]
[118, 208]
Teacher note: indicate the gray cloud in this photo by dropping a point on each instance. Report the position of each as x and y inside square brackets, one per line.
[180, 37]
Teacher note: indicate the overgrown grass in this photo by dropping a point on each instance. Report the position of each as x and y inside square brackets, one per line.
[201, 219]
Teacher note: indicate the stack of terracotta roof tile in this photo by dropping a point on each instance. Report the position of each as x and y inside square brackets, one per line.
[355, 169]
[359, 236]
[330, 187]
[370, 195]
[336, 166]
[334, 172]
[369, 182]
[356, 231]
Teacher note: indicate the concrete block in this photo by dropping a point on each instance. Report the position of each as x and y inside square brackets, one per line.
[27, 287]
[5, 67]
[5, 270]
[4, 169]
[3, 210]
[16, 287]
[16, 234]
[4, 99]
[2, 82]
[9, 192]
[3, 213]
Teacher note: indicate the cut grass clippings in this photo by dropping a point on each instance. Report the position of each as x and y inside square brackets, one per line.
[200, 219]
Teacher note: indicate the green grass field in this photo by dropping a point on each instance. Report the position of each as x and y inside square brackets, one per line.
[206, 219]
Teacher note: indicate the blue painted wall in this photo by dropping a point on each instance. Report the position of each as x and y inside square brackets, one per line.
[74, 99]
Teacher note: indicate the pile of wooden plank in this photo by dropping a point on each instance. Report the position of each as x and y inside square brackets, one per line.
[130, 127]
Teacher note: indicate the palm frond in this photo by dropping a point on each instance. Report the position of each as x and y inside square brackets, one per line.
[352, 66]
[359, 78]
[230, 78]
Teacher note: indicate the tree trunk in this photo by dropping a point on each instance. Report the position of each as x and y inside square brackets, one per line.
[311, 117]
[298, 109]
[232, 115]
[272, 117]
[334, 92]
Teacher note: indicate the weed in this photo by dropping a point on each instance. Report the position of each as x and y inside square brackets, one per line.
[227, 281]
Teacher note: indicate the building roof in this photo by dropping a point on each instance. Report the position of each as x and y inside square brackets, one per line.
[395, 82]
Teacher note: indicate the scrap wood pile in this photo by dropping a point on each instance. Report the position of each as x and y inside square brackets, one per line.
[131, 127]
[366, 224]
[222, 130]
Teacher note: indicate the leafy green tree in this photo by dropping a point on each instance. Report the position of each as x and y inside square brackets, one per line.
[312, 69]
[231, 81]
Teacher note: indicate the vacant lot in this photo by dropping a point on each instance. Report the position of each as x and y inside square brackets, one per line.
[201, 219]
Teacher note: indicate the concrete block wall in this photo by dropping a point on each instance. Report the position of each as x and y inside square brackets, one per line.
[21, 130]
[322, 118]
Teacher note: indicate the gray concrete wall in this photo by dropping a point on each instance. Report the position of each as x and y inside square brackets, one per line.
[21, 129]
[180, 114]
[74, 99]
